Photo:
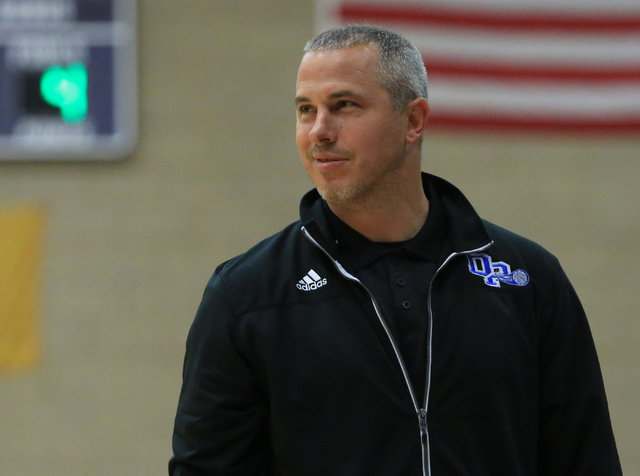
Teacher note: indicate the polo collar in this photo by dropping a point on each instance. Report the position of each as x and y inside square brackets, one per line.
[357, 251]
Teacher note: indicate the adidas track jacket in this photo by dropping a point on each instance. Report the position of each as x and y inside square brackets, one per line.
[290, 369]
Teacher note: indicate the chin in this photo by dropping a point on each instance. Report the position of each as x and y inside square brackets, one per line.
[339, 194]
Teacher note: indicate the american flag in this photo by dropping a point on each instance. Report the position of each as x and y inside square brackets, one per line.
[535, 65]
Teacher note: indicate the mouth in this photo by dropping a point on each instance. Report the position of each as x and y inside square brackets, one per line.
[329, 164]
[325, 160]
[326, 157]
[328, 160]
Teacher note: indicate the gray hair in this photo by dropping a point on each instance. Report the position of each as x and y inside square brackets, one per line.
[401, 70]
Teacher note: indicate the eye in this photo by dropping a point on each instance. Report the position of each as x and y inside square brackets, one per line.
[305, 109]
[342, 103]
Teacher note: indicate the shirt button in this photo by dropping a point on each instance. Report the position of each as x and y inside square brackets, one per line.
[401, 281]
[406, 305]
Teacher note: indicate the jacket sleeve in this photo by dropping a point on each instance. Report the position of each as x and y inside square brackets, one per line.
[576, 438]
[220, 425]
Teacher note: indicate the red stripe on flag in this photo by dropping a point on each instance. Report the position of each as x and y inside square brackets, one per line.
[482, 19]
[531, 73]
[540, 124]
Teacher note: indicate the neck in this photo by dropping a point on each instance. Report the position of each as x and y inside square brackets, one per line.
[393, 219]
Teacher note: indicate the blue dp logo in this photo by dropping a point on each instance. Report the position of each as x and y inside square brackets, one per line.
[496, 272]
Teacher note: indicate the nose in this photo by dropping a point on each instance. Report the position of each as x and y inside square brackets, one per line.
[324, 128]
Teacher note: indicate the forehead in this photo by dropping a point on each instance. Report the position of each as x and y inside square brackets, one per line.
[355, 66]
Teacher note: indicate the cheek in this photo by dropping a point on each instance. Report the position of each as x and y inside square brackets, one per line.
[391, 136]
[371, 140]
[302, 138]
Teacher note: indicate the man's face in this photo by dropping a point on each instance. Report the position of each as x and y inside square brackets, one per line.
[350, 139]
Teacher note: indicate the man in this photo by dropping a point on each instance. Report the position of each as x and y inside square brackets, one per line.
[390, 331]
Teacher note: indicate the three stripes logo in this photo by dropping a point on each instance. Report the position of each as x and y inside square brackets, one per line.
[311, 281]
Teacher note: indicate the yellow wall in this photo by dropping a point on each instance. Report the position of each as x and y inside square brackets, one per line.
[131, 244]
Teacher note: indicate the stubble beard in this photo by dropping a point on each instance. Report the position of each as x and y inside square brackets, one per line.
[369, 192]
[341, 195]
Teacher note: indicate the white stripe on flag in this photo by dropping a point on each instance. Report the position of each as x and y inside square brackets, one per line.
[579, 49]
[477, 97]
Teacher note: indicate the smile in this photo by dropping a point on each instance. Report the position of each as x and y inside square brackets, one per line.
[331, 159]
[324, 158]
[326, 164]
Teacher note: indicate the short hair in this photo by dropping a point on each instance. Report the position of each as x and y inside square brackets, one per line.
[400, 68]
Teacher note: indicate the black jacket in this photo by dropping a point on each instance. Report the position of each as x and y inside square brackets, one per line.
[290, 369]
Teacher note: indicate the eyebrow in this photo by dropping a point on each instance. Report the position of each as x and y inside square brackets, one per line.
[336, 95]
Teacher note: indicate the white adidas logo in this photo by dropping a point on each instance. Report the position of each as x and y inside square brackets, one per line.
[311, 281]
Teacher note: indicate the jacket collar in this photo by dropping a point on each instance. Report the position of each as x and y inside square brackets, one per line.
[464, 228]
[313, 218]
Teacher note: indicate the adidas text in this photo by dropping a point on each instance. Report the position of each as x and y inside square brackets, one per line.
[311, 281]
[312, 286]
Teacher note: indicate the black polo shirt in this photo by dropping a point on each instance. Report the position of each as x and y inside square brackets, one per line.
[398, 274]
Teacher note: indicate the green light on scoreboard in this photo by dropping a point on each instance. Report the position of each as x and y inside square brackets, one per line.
[66, 88]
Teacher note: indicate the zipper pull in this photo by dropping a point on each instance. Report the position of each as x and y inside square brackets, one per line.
[422, 418]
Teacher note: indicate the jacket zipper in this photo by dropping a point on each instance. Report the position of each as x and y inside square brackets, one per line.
[421, 413]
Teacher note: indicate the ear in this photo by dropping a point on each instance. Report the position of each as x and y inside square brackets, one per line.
[417, 113]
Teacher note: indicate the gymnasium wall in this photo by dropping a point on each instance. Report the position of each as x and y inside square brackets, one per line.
[128, 246]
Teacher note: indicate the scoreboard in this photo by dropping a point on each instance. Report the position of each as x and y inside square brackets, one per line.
[68, 79]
